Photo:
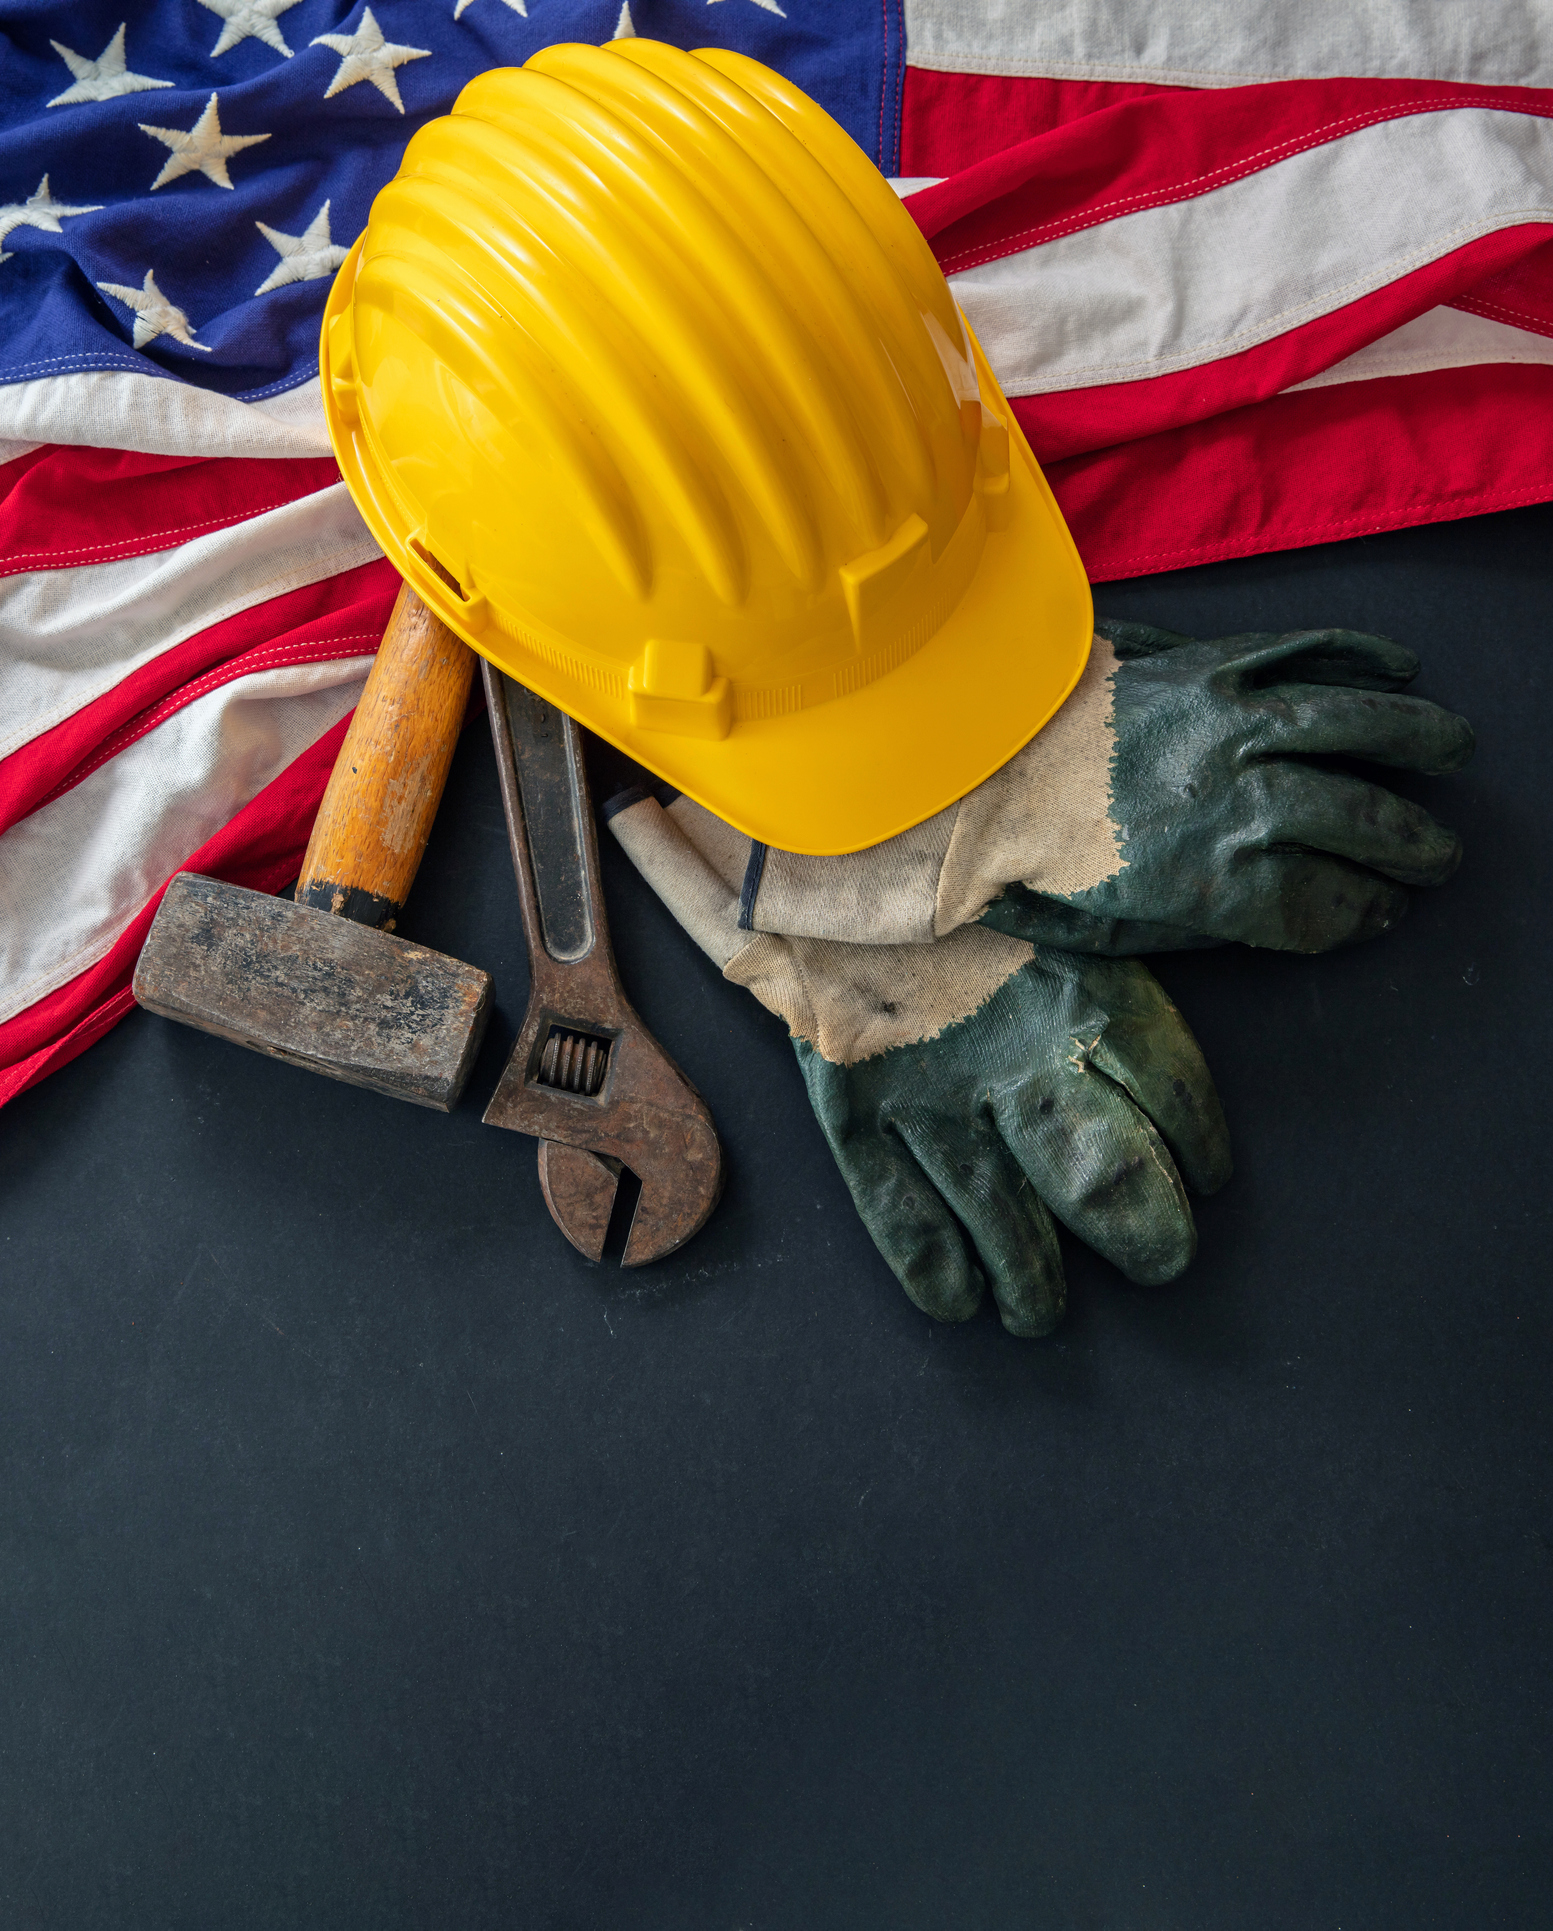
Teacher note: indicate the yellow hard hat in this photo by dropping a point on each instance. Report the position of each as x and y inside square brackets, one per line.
[651, 388]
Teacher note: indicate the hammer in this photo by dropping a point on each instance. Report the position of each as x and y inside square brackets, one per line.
[321, 982]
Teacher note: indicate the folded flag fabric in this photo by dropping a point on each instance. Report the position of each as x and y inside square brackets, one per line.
[1253, 276]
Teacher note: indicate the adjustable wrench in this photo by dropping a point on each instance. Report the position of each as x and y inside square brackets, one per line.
[585, 1076]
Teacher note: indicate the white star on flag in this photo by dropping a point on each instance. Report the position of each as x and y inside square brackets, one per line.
[250, 20]
[625, 26]
[102, 79]
[204, 148]
[154, 314]
[304, 257]
[366, 55]
[39, 210]
[517, 6]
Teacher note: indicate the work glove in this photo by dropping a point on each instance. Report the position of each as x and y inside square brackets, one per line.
[970, 1090]
[1179, 798]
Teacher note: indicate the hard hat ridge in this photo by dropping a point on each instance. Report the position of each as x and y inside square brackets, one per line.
[755, 173]
[697, 195]
[646, 380]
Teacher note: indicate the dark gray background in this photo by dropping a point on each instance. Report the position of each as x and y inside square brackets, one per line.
[367, 1559]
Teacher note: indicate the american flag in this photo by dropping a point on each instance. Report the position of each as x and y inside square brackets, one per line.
[1255, 276]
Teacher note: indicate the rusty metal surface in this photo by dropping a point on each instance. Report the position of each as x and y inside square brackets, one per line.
[315, 990]
[643, 1114]
[579, 1189]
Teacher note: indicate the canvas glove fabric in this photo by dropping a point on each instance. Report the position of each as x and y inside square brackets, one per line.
[1181, 797]
[972, 1089]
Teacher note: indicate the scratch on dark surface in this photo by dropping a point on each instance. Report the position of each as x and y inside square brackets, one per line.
[493, 1455]
[27, 1880]
[188, 1279]
[234, 1297]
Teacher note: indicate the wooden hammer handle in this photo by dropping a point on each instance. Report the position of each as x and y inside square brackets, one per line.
[387, 782]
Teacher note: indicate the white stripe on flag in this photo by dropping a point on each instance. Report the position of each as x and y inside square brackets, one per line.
[1227, 43]
[1444, 338]
[106, 409]
[67, 636]
[74, 873]
[1173, 287]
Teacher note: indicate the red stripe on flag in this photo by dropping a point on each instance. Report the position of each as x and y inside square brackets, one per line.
[260, 847]
[63, 505]
[952, 121]
[1331, 463]
[1171, 147]
[281, 655]
[1521, 295]
[1074, 420]
[341, 616]
[48, 1059]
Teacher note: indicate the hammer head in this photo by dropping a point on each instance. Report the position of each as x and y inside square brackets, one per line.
[314, 989]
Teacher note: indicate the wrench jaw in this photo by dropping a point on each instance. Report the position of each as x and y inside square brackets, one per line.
[646, 1116]
[682, 1183]
[579, 1189]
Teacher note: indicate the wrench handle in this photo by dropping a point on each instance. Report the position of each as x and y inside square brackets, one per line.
[550, 826]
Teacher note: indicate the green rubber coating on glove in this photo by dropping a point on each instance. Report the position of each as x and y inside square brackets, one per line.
[1231, 827]
[1076, 1091]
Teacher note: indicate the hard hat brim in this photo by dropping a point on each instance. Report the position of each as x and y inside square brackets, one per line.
[843, 775]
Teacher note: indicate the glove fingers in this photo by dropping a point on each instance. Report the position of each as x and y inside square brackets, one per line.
[1139, 640]
[1099, 1165]
[1408, 733]
[1023, 914]
[996, 1204]
[917, 1235]
[913, 1230]
[1331, 811]
[1148, 1049]
[1354, 658]
[1308, 902]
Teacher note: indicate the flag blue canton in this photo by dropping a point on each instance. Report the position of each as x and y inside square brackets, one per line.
[179, 182]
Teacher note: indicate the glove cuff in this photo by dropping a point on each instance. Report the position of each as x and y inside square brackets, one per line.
[1044, 820]
[850, 1002]
[680, 874]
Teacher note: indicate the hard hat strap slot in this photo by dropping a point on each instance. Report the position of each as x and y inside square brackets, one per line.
[441, 569]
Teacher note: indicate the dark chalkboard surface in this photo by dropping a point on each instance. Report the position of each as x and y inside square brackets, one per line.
[367, 1559]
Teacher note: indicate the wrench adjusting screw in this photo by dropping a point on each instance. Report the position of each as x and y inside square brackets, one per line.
[573, 1062]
